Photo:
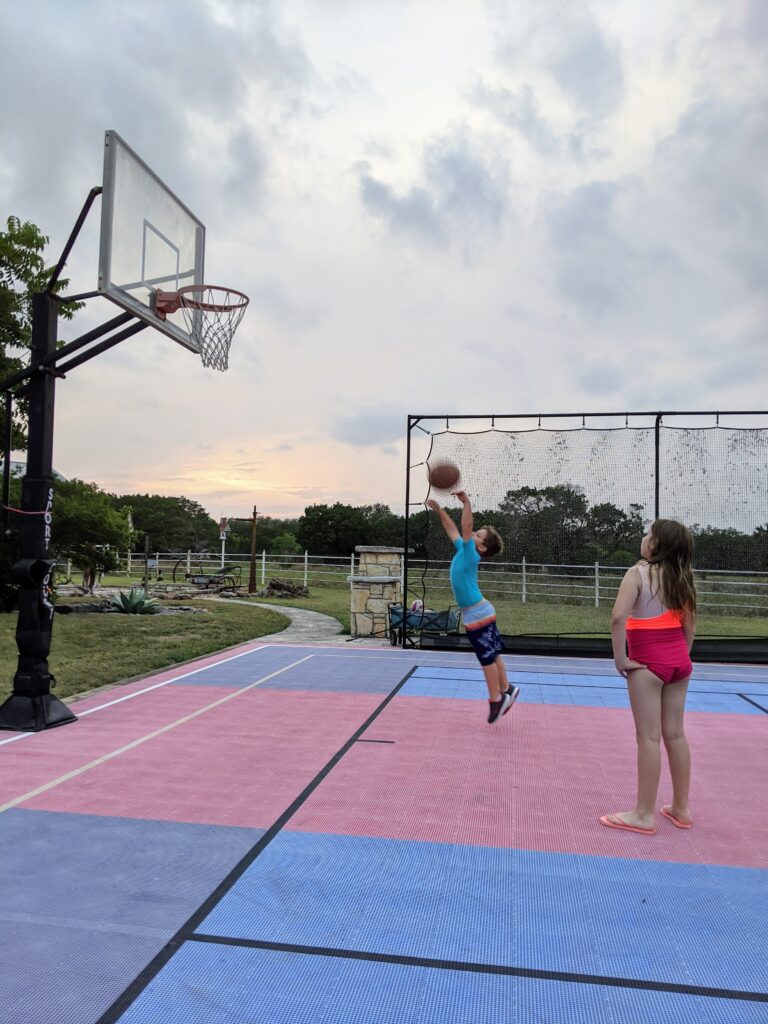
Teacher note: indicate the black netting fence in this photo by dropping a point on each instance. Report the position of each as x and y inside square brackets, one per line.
[572, 501]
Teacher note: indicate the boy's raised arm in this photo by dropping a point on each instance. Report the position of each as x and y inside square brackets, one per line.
[467, 519]
[448, 524]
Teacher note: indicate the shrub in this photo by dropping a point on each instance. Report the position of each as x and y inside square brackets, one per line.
[136, 602]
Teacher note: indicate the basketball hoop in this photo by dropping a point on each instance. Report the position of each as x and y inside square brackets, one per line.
[212, 314]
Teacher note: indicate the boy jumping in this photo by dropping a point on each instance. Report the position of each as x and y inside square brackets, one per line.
[479, 614]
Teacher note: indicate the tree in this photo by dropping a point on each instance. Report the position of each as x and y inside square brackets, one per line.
[285, 544]
[332, 529]
[23, 272]
[172, 524]
[86, 527]
[384, 527]
[611, 530]
[546, 524]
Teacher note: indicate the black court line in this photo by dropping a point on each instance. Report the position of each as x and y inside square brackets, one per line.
[753, 702]
[476, 968]
[185, 933]
[375, 741]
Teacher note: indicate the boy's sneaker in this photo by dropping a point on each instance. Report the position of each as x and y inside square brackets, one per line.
[499, 707]
[513, 693]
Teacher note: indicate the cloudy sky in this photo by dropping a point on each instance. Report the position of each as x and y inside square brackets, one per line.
[435, 206]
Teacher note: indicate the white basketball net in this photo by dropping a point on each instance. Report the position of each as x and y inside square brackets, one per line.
[212, 315]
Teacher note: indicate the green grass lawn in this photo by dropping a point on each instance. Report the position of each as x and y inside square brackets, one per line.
[93, 650]
[327, 599]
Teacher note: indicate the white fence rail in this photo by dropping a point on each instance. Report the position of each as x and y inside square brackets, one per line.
[721, 591]
[596, 585]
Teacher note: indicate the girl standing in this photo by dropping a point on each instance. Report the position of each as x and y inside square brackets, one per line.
[655, 617]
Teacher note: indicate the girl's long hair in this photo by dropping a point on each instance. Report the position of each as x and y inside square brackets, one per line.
[671, 558]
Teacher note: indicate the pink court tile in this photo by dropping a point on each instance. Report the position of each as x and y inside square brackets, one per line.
[241, 764]
[540, 780]
[114, 693]
[35, 759]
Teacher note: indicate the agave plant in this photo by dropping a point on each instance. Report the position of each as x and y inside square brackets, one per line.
[136, 602]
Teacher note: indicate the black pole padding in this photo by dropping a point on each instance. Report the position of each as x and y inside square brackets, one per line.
[32, 707]
[7, 446]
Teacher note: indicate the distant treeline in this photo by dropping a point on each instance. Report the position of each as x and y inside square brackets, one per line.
[551, 525]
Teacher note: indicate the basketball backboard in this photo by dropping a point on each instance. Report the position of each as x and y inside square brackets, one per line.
[150, 241]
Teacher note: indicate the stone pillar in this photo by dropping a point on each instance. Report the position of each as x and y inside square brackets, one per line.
[376, 585]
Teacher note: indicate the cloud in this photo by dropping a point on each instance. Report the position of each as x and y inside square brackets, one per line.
[519, 111]
[567, 44]
[371, 427]
[244, 181]
[463, 193]
[756, 22]
[594, 259]
[180, 98]
[588, 69]
[272, 297]
[710, 161]
[602, 377]
[413, 214]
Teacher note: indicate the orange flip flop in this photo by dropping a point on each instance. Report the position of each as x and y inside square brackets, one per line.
[675, 821]
[606, 820]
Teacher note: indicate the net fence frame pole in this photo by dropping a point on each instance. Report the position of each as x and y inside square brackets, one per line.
[657, 464]
[411, 421]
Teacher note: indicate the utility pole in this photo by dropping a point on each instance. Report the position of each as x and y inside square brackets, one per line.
[252, 575]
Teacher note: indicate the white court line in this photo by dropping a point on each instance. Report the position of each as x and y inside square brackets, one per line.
[143, 739]
[146, 689]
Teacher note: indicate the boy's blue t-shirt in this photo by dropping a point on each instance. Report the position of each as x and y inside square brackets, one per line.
[464, 573]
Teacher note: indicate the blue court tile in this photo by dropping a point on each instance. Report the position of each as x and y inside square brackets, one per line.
[725, 703]
[341, 675]
[211, 984]
[558, 688]
[461, 689]
[608, 916]
[87, 901]
[245, 669]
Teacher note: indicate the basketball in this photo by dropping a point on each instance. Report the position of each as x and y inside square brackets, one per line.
[443, 475]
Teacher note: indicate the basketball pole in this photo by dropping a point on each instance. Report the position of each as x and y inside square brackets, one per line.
[32, 707]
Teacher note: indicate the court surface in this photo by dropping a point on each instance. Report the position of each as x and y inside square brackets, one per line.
[329, 834]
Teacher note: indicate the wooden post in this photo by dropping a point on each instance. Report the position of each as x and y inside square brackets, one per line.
[252, 574]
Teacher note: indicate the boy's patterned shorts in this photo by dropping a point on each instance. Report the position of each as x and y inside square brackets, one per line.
[486, 643]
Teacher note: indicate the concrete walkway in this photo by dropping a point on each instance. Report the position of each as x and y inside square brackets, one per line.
[309, 627]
